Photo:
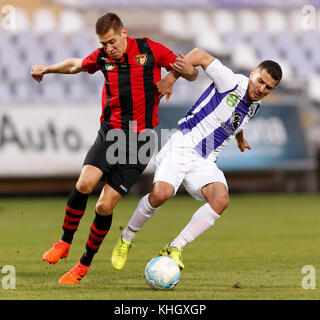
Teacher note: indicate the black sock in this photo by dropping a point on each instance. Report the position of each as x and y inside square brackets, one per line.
[99, 229]
[75, 209]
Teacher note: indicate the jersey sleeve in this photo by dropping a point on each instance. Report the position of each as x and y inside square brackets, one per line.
[162, 54]
[224, 79]
[90, 62]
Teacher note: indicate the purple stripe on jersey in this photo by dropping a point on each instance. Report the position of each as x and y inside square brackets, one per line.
[219, 135]
[212, 141]
[204, 112]
[202, 97]
[204, 147]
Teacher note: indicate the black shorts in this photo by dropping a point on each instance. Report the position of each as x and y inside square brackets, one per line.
[121, 169]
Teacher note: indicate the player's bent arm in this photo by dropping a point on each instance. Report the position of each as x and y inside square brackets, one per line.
[242, 142]
[239, 136]
[185, 65]
[199, 57]
[68, 66]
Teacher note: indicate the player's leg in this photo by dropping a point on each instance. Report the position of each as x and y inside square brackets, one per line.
[99, 229]
[75, 209]
[77, 202]
[145, 209]
[102, 222]
[217, 198]
[204, 182]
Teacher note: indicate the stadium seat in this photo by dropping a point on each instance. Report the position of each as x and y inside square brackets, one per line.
[295, 21]
[274, 21]
[44, 21]
[313, 86]
[223, 21]
[243, 57]
[6, 94]
[53, 91]
[197, 22]
[205, 36]
[81, 43]
[74, 89]
[287, 72]
[22, 21]
[173, 23]
[232, 39]
[262, 45]
[285, 43]
[210, 40]
[20, 92]
[249, 21]
[70, 21]
[309, 39]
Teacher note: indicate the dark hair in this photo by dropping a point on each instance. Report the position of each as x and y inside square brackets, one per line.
[106, 22]
[273, 68]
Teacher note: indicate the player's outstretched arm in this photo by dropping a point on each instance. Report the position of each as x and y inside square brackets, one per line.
[68, 66]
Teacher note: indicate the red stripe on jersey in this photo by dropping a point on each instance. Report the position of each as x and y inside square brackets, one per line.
[137, 91]
[156, 77]
[114, 104]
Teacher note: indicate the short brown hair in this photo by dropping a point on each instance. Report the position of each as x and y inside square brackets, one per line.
[273, 68]
[106, 22]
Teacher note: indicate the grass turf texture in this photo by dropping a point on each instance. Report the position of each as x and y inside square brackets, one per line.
[255, 251]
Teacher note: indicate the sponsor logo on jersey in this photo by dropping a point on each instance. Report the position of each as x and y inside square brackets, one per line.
[235, 119]
[141, 58]
[233, 124]
[109, 65]
[232, 100]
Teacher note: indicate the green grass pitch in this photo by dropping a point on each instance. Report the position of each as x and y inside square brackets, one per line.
[256, 250]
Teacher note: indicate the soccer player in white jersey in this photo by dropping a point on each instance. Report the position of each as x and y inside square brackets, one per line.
[189, 157]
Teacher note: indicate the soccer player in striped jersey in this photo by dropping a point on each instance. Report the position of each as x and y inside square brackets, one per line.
[132, 68]
[189, 157]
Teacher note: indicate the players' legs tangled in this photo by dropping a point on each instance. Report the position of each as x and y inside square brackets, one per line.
[146, 208]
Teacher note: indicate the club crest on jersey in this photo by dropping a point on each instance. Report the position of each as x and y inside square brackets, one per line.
[141, 58]
[109, 65]
[232, 100]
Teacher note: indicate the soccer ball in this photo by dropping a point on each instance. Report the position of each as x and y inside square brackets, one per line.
[162, 273]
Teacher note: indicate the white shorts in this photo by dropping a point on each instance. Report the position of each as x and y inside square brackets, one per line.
[177, 162]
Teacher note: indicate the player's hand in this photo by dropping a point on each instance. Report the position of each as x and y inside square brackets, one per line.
[37, 72]
[182, 66]
[164, 88]
[243, 144]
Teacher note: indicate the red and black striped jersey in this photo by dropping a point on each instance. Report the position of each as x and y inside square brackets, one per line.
[130, 92]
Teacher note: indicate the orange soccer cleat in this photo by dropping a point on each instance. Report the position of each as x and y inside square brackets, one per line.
[60, 250]
[75, 274]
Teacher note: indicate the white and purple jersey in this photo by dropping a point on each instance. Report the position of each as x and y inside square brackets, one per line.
[221, 112]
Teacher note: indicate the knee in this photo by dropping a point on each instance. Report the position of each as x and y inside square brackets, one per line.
[84, 186]
[220, 203]
[103, 208]
[160, 195]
